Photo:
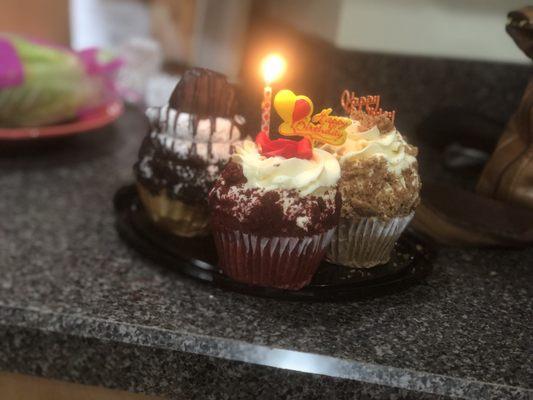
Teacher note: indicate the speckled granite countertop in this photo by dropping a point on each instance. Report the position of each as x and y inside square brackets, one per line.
[77, 304]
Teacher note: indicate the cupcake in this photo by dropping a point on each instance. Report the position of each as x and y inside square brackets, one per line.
[274, 210]
[189, 142]
[380, 189]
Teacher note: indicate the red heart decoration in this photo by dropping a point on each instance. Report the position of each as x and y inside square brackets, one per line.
[301, 110]
[284, 147]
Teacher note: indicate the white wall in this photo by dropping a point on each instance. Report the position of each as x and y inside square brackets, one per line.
[471, 29]
[107, 24]
[315, 17]
[220, 34]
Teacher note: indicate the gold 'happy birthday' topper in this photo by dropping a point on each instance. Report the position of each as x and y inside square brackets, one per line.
[296, 113]
[367, 104]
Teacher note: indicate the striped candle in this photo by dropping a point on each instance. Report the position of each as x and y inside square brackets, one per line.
[266, 105]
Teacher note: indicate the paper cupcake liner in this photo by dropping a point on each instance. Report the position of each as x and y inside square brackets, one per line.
[365, 242]
[173, 215]
[281, 262]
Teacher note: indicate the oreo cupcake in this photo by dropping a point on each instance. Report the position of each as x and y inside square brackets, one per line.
[380, 189]
[274, 210]
[189, 142]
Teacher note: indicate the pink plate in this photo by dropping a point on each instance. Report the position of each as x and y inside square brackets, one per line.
[95, 119]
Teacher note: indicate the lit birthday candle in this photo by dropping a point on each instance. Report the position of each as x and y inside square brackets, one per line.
[272, 67]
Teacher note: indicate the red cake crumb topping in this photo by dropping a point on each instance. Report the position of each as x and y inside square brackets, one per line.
[233, 174]
[270, 212]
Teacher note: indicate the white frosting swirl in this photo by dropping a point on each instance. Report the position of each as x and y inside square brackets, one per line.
[371, 143]
[308, 177]
[175, 131]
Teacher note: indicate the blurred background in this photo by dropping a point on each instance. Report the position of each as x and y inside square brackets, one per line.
[228, 35]
[429, 59]
[448, 68]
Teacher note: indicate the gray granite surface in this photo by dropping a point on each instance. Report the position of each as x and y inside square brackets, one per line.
[77, 303]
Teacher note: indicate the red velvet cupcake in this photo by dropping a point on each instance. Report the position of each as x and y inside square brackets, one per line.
[274, 211]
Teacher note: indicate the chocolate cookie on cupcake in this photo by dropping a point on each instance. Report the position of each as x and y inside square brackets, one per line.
[189, 142]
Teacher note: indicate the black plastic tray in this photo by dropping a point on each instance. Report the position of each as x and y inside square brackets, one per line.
[197, 258]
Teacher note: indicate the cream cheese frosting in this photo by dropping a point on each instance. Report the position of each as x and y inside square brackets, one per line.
[372, 143]
[308, 177]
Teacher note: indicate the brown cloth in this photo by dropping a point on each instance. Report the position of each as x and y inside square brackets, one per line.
[520, 29]
[457, 217]
[501, 214]
[508, 175]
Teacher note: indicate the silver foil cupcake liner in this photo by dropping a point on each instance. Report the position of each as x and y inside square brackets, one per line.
[365, 242]
[281, 262]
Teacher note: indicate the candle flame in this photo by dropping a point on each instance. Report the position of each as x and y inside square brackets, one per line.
[273, 67]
